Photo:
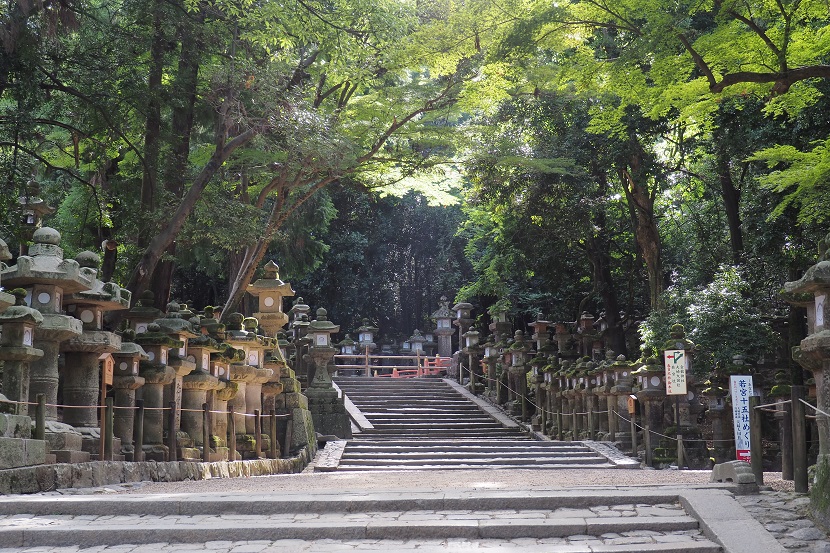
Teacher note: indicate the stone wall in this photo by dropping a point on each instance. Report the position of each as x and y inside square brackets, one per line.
[46, 478]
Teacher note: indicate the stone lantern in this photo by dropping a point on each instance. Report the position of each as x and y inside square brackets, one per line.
[34, 209]
[125, 382]
[443, 327]
[346, 345]
[537, 369]
[651, 393]
[198, 388]
[518, 379]
[270, 291]
[715, 393]
[299, 328]
[814, 351]
[540, 332]
[244, 375]
[16, 352]
[472, 349]
[143, 312]
[181, 331]
[47, 277]
[157, 374]
[463, 320]
[255, 355]
[491, 356]
[623, 382]
[81, 380]
[429, 344]
[416, 342]
[327, 409]
[586, 332]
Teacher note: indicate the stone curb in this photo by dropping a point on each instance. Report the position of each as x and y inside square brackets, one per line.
[724, 521]
[484, 405]
[198, 504]
[178, 531]
[355, 414]
[45, 478]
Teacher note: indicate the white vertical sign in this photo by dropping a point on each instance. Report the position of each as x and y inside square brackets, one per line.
[820, 301]
[741, 389]
[676, 363]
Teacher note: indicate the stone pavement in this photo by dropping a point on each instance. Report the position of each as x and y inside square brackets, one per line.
[247, 524]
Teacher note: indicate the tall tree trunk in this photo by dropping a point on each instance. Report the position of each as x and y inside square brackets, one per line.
[181, 129]
[140, 279]
[598, 249]
[152, 126]
[731, 203]
[641, 201]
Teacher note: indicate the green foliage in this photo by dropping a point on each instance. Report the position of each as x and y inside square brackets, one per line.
[804, 179]
[720, 318]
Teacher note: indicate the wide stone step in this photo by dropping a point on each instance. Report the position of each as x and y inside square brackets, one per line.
[485, 460]
[378, 453]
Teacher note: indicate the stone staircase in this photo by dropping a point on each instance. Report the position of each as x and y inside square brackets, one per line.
[588, 521]
[414, 424]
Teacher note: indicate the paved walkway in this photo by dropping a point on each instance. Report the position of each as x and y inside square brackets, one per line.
[781, 512]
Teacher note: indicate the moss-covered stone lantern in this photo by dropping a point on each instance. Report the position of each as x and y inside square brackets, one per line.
[270, 291]
[443, 327]
[125, 382]
[327, 409]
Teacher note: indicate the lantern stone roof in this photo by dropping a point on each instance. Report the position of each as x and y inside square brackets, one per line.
[107, 295]
[443, 311]
[5, 254]
[346, 341]
[45, 265]
[172, 322]
[270, 282]
[815, 279]
[322, 324]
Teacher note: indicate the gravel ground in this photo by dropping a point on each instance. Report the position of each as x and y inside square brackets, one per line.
[518, 479]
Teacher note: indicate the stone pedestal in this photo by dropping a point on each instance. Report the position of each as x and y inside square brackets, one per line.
[124, 388]
[327, 409]
[225, 393]
[195, 388]
[156, 377]
[82, 379]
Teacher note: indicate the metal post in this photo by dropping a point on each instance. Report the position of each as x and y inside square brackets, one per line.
[756, 450]
[138, 453]
[272, 433]
[231, 435]
[206, 433]
[108, 426]
[786, 441]
[40, 417]
[258, 433]
[799, 439]
[172, 446]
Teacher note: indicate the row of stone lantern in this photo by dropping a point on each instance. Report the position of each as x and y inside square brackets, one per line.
[174, 358]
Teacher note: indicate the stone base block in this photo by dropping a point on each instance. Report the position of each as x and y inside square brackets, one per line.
[50, 459]
[70, 456]
[15, 426]
[220, 454]
[92, 445]
[21, 452]
[189, 454]
[156, 452]
[292, 401]
[302, 433]
[290, 385]
[64, 439]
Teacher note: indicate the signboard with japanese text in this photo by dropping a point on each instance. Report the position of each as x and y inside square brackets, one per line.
[820, 301]
[676, 363]
[741, 390]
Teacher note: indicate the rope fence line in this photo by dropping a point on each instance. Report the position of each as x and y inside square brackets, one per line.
[134, 408]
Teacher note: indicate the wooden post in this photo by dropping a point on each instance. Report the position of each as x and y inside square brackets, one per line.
[680, 459]
[108, 424]
[756, 455]
[272, 433]
[559, 420]
[289, 435]
[799, 439]
[258, 433]
[206, 433]
[632, 423]
[574, 425]
[591, 433]
[172, 445]
[102, 416]
[786, 441]
[368, 365]
[138, 431]
[648, 458]
[40, 417]
[231, 435]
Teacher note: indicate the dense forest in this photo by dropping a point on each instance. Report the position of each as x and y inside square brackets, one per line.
[653, 161]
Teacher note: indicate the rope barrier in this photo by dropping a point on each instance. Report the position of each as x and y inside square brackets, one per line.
[134, 408]
[813, 407]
